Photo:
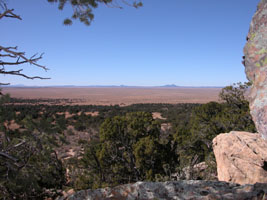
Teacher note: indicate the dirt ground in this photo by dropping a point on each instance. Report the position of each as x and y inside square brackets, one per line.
[118, 96]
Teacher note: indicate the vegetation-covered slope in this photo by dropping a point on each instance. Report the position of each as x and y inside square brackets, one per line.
[45, 149]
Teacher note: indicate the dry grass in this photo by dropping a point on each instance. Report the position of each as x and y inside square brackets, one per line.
[119, 96]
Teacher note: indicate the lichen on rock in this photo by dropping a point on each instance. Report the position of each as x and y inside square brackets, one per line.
[179, 190]
[255, 61]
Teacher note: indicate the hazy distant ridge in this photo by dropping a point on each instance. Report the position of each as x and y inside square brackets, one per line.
[108, 86]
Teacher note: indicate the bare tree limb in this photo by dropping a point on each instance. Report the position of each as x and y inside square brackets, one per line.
[8, 13]
[4, 84]
[7, 55]
[19, 144]
[21, 55]
[12, 56]
[5, 155]
[18, 73]
[12, 53]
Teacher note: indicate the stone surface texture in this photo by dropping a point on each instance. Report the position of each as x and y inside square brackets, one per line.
[241, 157]
[202, 190]
[255, 61]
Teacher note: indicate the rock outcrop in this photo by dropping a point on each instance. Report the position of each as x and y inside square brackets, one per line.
[241, 157]
[255, 61]
[204, 190]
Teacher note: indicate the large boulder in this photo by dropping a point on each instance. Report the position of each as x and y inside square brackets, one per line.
[202, 190]
[241, 157]
[255, 61]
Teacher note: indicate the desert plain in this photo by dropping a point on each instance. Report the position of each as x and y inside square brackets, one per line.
[117, 95]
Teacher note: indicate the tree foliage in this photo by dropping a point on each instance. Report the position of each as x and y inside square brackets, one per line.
[29, 170]
[83, 9]
[208, 120]
[129, 149]
[235, 95]
[123, 144]
[29, 166]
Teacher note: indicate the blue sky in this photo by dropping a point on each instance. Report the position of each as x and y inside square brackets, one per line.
[182, 42]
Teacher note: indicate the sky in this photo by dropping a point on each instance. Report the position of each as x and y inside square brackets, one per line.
[182, 42]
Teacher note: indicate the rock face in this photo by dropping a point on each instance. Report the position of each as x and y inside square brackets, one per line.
[255, 61]
[241, 157]
[183, 190]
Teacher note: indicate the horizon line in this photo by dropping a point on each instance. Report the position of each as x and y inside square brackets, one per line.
[106, 86]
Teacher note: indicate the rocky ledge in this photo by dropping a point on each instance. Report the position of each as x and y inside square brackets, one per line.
[204, 190]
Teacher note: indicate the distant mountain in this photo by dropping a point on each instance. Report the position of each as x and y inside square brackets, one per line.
[170, 85]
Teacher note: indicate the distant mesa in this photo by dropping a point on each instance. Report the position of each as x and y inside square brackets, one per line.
[170, 85]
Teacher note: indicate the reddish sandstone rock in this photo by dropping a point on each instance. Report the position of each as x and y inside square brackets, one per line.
[241, 157]
[255, 61]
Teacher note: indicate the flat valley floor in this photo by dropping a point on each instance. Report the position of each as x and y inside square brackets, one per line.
[117, 96]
